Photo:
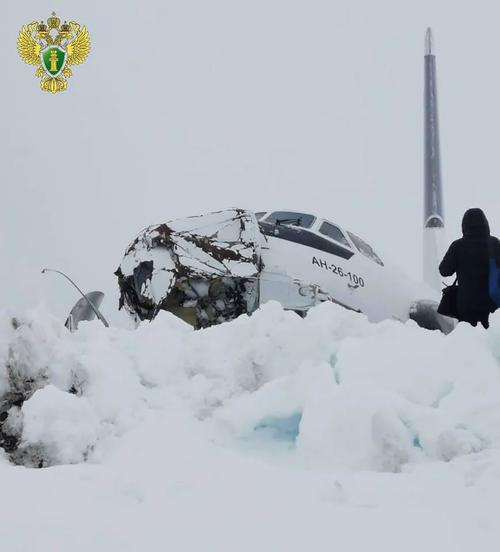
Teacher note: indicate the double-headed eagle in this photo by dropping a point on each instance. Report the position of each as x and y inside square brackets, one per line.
[53, 48]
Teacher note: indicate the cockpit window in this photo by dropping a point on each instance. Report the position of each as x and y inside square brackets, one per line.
[334, 232]
[364, 248]
[260, 214]
[291, 219]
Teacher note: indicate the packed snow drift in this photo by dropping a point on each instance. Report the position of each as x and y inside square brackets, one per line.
[341, 391]
[267, 413]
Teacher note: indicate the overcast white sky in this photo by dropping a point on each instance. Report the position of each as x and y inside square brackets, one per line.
[189, 106]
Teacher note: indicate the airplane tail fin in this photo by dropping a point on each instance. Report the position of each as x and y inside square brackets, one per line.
[434, 231]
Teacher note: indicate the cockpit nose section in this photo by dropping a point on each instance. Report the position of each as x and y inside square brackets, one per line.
[203, 269]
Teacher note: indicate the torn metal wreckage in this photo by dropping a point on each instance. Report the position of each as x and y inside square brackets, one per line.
[203, 269]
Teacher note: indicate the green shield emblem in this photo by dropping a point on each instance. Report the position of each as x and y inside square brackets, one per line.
[53, 60]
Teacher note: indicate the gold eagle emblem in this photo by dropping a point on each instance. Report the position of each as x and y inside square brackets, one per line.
[53, 47]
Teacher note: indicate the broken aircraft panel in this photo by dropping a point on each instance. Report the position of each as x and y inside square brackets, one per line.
[203, 269]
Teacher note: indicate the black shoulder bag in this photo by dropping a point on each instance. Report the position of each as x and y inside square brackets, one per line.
[448, 305]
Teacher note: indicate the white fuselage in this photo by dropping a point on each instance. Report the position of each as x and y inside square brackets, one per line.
[341, 272]
[211, 268]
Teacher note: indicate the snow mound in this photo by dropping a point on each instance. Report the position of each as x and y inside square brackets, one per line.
[328, 391]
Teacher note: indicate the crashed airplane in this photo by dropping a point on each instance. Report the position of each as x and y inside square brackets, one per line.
[212, 268]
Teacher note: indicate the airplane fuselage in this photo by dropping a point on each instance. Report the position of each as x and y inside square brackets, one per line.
[346, 269]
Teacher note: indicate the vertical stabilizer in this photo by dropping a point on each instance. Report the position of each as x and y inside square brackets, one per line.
[433, 196]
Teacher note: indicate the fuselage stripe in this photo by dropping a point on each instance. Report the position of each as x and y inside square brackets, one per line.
[304, 237]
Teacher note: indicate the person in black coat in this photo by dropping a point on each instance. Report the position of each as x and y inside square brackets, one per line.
[469, 258]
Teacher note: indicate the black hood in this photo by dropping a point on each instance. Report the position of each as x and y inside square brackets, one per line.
[475, 224]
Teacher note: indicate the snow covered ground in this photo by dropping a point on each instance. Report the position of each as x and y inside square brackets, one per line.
[268, 433]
